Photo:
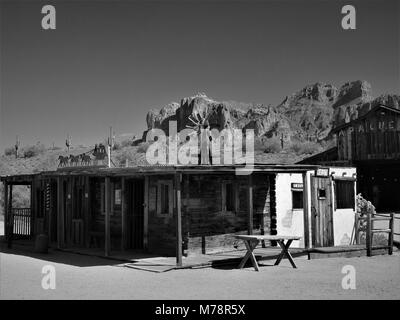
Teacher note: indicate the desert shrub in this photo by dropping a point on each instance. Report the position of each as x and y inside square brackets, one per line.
[126, 143]
[142, 147]
[306, 147]
[364, 207]
[123, 156]
[268, 145]
[9, 151]
[34, 150]
[49, 162]
[21, 197]
[116, 146]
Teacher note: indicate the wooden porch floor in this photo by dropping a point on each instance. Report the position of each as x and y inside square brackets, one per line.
[156, 263]
[230, 259]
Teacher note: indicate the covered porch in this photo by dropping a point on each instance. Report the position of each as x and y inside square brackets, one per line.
[106, 210]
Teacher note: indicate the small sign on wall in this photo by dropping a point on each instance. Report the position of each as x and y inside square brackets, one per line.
[297, 186]
[322, 172]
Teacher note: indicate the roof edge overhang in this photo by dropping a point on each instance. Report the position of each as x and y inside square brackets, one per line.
[161, 170]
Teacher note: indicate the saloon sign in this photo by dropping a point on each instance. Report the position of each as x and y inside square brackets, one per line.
[371, 125]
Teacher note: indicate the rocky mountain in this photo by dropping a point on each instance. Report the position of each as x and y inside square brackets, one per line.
[307, 115]
[352, 96]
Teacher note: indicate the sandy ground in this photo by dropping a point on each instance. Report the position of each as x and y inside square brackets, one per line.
[83, 277]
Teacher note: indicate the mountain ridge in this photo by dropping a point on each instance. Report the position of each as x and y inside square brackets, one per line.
[306, 115]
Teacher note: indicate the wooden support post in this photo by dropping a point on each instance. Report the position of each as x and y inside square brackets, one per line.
[356, 232]
[60, 213]
[306, 217]
[87, 196]
[32, 206]
[6, 216]
[68, 214]
[369, 235]
[178, 179]
[186, 216]
[391, 226]
[10, 204]
[250, 205]
[10, 201]
[48, 209]
[10, 217]
[123, 215]
[146, 214]
[107, 237]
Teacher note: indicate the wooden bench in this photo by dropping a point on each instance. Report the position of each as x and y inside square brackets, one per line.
[251, 243]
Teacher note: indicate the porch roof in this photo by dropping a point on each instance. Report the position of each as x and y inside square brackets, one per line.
[19, 179]
[158, 169]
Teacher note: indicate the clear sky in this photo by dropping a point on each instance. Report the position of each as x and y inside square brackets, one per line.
[108, 63]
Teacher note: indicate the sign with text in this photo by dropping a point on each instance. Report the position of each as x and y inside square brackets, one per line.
[322, 172]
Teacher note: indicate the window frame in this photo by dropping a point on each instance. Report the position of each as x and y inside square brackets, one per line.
[235, 196]
[300, 191]
[352, 198]
[170, 185]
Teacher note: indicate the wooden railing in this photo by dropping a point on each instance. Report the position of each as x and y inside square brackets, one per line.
[370, 230]
[21, 220]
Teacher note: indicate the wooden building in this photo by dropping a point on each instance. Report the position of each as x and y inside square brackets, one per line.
[168, 210]
[371, 143]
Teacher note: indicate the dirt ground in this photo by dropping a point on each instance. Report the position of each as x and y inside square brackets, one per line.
[84, 277]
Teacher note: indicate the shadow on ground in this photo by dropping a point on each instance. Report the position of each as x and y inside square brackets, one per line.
[263, 261]
[56, 256]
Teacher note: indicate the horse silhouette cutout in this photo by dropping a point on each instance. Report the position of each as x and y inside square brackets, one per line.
[74, 160]
[62, 161]
[85, 159]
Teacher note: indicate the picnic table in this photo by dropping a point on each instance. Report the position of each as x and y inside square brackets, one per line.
[251, 242]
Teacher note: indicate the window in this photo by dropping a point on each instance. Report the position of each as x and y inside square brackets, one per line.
[297, 199]
[230, 205]
[165, 201]
[229, 197]
[344, 194]
[321, 194]
[164, 198]
[117, 197]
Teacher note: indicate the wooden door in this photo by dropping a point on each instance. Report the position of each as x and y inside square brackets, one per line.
[321, 212]
[135, 213]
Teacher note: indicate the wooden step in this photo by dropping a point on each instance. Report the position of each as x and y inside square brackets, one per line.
[381, 230]
[345, 251]
[381, 219]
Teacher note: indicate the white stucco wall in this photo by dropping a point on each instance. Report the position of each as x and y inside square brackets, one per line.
[291, 221]
[343, 219]
[288, 221]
